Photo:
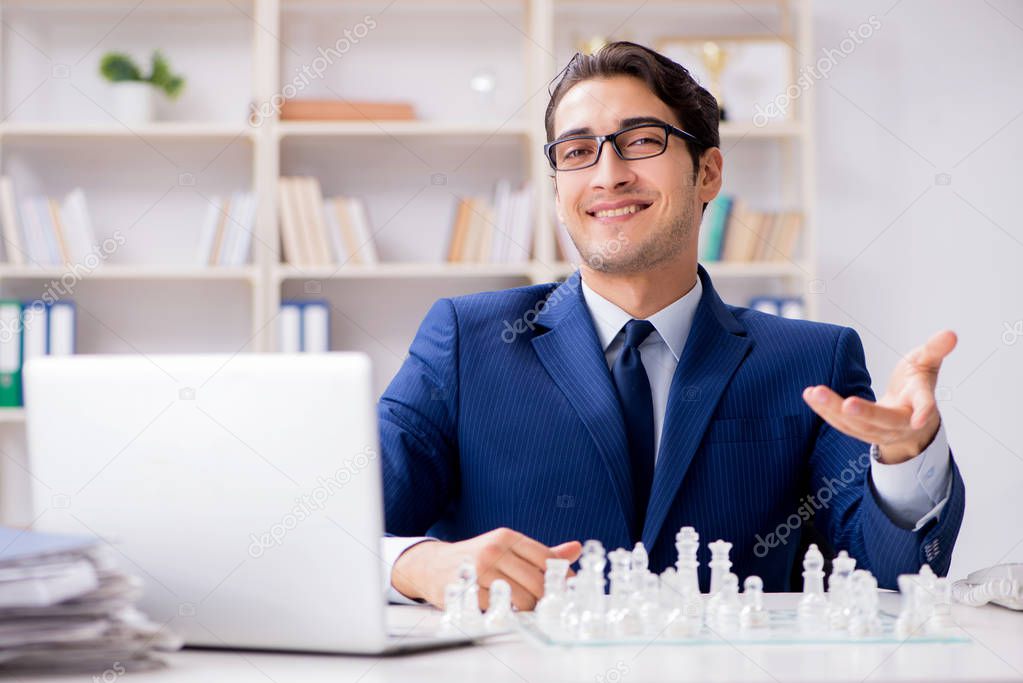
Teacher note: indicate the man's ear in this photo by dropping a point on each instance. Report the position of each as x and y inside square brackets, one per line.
[710, 175]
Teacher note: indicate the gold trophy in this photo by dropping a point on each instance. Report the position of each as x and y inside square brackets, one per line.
[714, 59]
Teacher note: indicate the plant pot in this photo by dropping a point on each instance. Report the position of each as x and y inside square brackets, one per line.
[133, 102]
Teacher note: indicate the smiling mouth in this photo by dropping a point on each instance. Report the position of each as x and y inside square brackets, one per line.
[620, 211]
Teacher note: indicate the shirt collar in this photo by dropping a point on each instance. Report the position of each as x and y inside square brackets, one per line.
[672, 322]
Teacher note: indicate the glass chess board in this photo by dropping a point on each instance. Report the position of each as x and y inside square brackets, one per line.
[782, 629]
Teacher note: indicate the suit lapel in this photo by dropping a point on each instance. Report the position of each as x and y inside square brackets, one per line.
[714, 349]
[570, 352]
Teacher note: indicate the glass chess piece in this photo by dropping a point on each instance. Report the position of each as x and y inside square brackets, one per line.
[839, 598]
[472, 615]
[589, 587]
[687, 543]
[720, 566]
[451, 620]
[499, 616]
[812, 612]
[753, 614]
[941, 621]
[651, 612]
[865, 620]
[727, 615]
[555, 588]
[622, 618]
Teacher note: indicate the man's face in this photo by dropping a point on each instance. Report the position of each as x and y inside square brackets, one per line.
[660, 191]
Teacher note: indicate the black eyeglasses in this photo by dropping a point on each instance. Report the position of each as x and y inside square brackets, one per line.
[640, 141]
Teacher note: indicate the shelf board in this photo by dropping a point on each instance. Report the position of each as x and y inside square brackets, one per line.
[402, 128]
[177, 130]
[130, 272]
[405, 270]
[12, 415]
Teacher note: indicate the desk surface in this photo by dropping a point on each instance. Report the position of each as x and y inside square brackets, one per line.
[995, 653]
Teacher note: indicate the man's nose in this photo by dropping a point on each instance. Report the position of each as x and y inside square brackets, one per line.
[611, 171]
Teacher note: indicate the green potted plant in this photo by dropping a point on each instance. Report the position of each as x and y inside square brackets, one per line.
[133, 92]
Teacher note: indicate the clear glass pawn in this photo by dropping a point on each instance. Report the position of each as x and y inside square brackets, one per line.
[472, 615]
[753, 614]
[727, 614]
[499, 616]
[451, 621]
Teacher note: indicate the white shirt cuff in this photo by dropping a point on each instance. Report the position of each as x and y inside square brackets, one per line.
[391, 548]
[913, 492]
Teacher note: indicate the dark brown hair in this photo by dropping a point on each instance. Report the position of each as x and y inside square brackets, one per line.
[695, 108]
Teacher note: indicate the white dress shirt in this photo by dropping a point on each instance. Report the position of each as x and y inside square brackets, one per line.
[910, 493]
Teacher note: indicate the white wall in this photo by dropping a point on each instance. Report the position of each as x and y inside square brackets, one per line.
[936, 89]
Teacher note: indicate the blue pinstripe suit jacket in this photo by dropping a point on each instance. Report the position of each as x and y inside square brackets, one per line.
[505, 414]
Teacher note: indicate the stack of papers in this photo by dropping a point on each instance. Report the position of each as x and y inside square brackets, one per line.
[64, 606]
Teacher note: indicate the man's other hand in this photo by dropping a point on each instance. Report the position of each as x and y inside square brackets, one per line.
[422, 571]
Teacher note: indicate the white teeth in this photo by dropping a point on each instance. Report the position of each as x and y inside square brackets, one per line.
[621, 211]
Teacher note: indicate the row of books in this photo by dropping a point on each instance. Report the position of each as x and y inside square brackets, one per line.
[493, 231]
[322, 232]
[226, 234]
[304, 327]
[784, 306]
[29, 329]
[42, 230]
[732, 231]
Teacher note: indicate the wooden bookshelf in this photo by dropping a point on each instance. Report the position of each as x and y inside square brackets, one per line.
[56, 138]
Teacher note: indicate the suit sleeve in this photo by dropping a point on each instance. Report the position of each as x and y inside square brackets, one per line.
[849, 511]
[418, 415]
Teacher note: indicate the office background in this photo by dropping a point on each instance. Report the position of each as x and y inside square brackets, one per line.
[900, 160]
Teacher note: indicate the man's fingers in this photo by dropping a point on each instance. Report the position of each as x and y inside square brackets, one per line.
[868, 420]
[532, 551]
[933, 352]
[522, 572]
[568, 551]
[828, 405]
[862, 411]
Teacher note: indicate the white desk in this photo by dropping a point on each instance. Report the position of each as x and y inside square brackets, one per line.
[995, 653]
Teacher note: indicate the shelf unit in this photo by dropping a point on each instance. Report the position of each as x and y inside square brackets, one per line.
[152, 181]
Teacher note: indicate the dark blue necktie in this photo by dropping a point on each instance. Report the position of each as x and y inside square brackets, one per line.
[638, 409]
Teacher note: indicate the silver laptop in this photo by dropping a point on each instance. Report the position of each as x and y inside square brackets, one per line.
[244, 490]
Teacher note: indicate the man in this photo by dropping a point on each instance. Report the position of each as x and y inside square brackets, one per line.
[630, 401]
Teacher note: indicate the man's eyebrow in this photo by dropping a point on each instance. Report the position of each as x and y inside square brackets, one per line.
[623, 123]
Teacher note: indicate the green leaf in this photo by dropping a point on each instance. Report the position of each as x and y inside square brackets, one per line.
[162, 77]
[116, 66]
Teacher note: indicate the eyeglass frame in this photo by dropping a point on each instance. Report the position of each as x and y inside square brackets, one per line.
[610, 137]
